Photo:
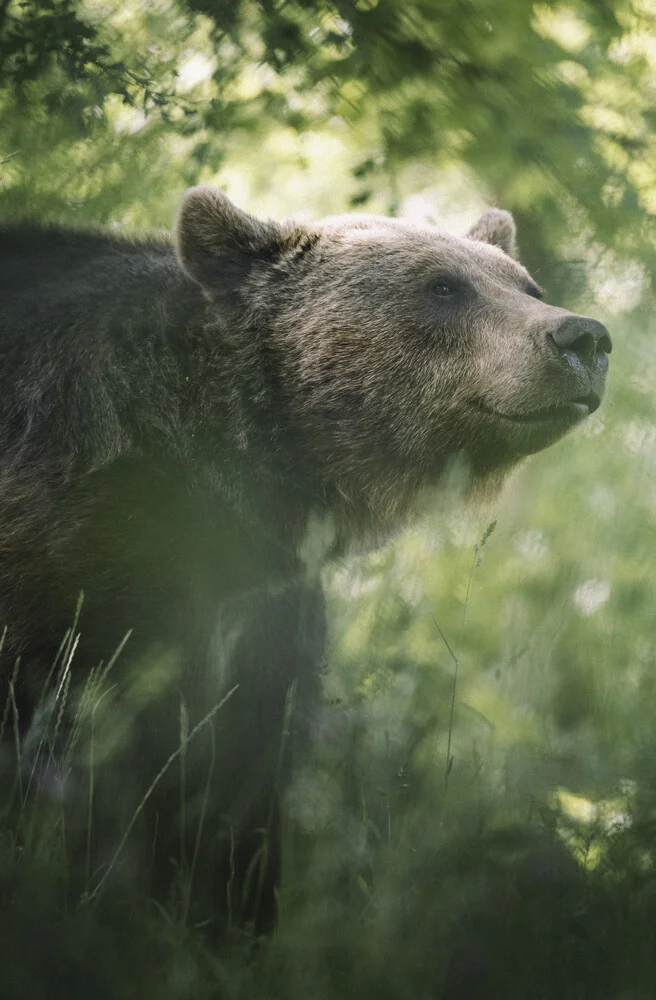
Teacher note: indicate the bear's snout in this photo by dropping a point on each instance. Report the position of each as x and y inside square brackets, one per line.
[584, 339]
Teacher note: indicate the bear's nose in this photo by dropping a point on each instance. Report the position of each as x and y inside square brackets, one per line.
[584, 337]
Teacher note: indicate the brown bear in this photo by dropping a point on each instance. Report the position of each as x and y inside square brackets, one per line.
[175, 419]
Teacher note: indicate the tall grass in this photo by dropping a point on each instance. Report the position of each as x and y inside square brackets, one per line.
[403, 877]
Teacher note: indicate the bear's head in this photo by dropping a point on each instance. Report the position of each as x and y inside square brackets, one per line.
[395, 348]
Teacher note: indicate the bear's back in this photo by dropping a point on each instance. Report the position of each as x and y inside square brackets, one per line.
[51, 276]
[84, 315]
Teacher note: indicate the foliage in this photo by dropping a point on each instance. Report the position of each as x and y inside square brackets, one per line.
[549, 106]
[508, 850]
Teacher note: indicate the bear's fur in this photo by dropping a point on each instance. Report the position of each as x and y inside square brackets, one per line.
[174, 418]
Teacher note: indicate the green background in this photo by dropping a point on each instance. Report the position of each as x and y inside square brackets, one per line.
[508, 847]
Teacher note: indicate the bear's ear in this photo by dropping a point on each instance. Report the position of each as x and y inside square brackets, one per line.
[216, 242]
[498, 228]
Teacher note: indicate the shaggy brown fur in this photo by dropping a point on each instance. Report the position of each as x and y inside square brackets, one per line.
[173, 420]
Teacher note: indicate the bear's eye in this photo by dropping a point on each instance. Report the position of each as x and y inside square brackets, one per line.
[444, 288]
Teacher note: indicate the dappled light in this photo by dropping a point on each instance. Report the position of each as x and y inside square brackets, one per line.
[472, 813]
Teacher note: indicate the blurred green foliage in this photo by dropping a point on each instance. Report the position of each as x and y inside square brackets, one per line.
[550, 106]
[511, 853]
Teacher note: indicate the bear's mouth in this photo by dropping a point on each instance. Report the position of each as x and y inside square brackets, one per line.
[557, 413]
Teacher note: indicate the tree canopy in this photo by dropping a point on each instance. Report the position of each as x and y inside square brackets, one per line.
[549, 106]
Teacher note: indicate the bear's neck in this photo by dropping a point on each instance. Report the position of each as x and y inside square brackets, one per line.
[238, 436]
